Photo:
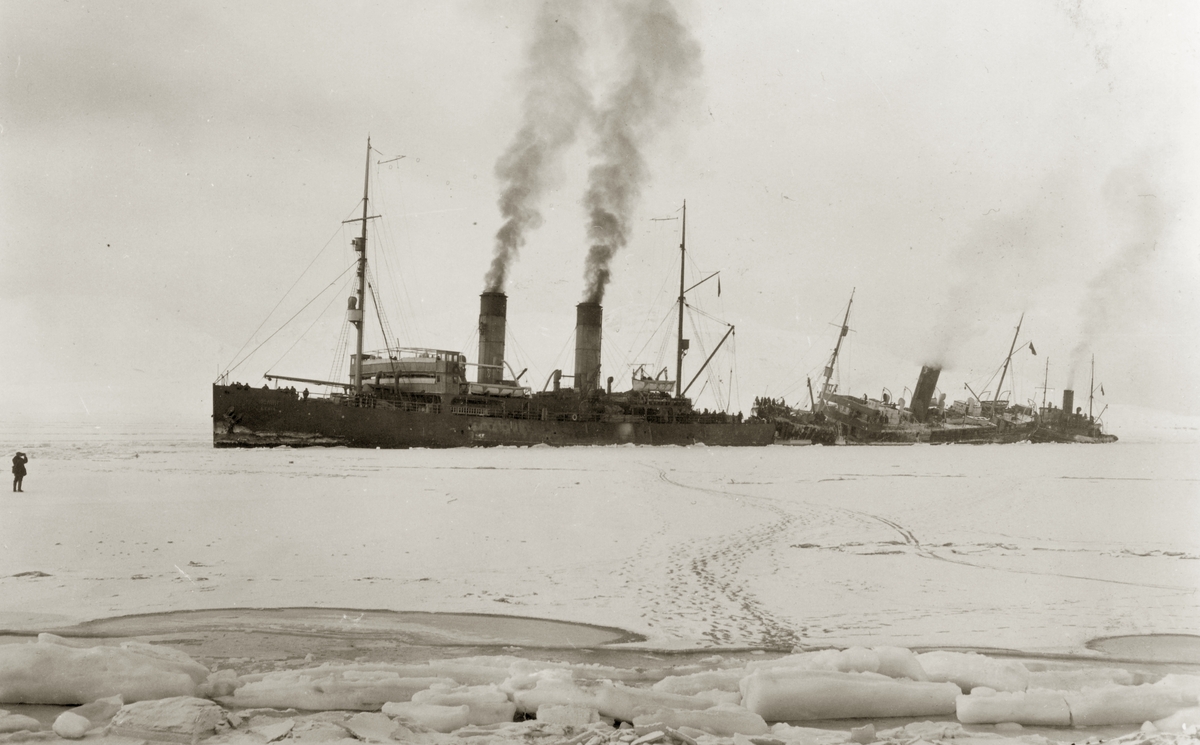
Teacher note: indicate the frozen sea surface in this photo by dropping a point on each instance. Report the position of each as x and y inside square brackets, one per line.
[1035, 548]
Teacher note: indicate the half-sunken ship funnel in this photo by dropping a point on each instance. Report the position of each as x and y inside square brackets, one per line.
[923, 393]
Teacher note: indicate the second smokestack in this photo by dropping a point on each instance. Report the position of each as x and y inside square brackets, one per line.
[923, 393]
[493, 309]
[589, 318]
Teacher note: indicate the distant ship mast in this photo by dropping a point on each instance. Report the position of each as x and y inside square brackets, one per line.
[826, 388]
[1004, 370]
[680, 345]
[1045, 383]
[1091, 387]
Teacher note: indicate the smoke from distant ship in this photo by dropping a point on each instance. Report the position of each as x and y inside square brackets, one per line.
[997, 270]
[1018, 257]
[661, 63]
[1139, 217]
[554, 106]
[1083, 245]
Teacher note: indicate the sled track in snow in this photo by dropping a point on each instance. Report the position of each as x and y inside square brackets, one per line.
[926, 552]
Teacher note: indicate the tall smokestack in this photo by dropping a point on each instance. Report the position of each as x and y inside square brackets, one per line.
[493, 308]
[923, 393]
[589, 317]
[1068, 401]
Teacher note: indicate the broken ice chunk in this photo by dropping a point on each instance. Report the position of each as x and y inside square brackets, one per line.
[1126, 704]
[436, 718]
[488, 704]
[1033, 707]
[325, 689]
[625, 703]
[723, 720]
[791, 695]
[969, 670]
[46, 672]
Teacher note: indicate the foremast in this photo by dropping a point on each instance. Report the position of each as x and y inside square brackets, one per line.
[679, 344]
[357, 314]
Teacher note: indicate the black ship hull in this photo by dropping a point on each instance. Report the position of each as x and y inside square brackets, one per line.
[260, 417]
[1061, 425]
[1051, 434]
[936, 435]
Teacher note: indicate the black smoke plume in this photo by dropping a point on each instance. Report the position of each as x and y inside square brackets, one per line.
[556, 102]
[661, 64]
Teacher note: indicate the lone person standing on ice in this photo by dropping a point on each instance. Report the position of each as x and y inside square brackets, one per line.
[19, 461]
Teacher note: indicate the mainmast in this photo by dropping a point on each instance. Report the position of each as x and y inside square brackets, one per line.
[1091, 387]
[1012, 348]
[1045, 383]
[825, 387]
[680, 344]
[360, 245]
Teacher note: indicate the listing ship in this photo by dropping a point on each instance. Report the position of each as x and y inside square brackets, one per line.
[867, 421]
[863, 420]
[404, 397]
[794, 425]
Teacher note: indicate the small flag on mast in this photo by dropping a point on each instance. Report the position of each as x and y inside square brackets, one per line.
[1031, 349]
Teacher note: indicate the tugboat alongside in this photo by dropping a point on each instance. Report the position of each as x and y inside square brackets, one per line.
[1065, 425]
[403, 397]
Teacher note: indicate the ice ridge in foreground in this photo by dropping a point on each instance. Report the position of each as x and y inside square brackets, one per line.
[159, 694]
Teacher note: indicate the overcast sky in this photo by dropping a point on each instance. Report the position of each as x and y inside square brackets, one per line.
[169, 170]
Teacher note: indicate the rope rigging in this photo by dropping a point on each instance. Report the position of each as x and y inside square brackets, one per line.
[339, 353]
[232, 367]
[305, 332]
[285, 323]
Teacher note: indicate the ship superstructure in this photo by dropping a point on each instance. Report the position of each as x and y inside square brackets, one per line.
[401, 397]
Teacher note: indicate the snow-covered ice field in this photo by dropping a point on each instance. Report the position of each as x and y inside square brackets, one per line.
[1038, 548]
[1038, 551]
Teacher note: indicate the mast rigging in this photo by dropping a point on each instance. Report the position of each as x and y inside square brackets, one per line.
[360, 245]
[679, 343]
[1012, 348]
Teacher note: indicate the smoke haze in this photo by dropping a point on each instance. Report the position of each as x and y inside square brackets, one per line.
[1013, 256]
[1138, 217]
[556, 103]
[661, 64]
